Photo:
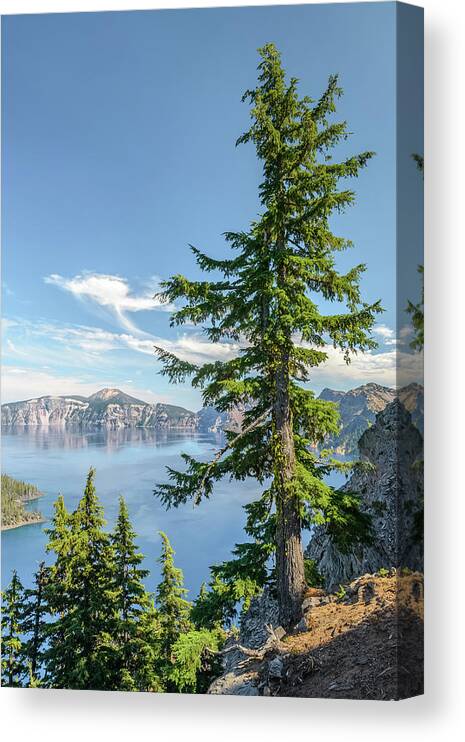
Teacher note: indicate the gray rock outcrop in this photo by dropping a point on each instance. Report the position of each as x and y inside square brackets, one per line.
[263, 611]
[391, 493]
[243, 656]
[358, 409]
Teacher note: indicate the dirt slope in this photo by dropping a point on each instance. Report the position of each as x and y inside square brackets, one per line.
[368, 644]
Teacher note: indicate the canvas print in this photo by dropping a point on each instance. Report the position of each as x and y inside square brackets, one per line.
[212, 385]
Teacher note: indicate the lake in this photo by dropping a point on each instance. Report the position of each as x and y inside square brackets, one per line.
[128, 462]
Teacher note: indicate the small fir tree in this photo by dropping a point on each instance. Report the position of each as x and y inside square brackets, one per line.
[173, 608]
[196, 660]
[34, 623]
[82, 645]
[137, 625]
[14, 669]
[59, 655]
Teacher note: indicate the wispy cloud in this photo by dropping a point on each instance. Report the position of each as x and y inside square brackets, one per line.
[390, 368]
[111, 293]
[386, 334]
[92, 350]
[190, 347]
[7, 323]
[92, 343]
[195, 348]
[405, 333]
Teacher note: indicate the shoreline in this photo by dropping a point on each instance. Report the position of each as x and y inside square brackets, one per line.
[24, 523]
[28, 498]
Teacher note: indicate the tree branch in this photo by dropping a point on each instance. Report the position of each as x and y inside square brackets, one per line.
[225, 448]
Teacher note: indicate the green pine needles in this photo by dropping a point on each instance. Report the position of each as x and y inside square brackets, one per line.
[266, 298]
[417, 311]
[14, 669]
[89, 620]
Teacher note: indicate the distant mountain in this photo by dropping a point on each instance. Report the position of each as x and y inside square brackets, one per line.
[413, 399]
[112, 396]
[212, 421]
[112, 408]
[358, 409]
[107, 408]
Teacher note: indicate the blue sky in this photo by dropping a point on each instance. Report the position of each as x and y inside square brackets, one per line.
[118, 151]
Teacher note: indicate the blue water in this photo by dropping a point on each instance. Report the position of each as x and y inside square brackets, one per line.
[128, 462]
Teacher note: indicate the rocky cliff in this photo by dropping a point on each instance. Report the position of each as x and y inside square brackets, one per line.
[391, 492]
[113, 409]
[366, 640]
[358, 409]
[212, 421]
[108, 408]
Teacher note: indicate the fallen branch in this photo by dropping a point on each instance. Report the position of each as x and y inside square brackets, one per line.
[273, 642]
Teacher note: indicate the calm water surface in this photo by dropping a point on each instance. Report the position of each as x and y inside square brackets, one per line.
[128, 462]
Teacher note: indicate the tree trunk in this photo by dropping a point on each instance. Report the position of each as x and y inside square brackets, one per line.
[289, 556]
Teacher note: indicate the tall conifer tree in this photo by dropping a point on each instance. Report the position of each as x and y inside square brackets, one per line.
[173, 608]
[14, 669]
[34, 623]
[266, 300]
[60, 655]
[136, 626]
[81, 595]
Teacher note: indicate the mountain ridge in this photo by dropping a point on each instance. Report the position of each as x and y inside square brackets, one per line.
[112, 408]
[108, 407]
[358, 408]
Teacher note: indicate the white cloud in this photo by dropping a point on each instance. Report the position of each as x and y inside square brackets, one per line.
[390, 368]
[7, 324]
[387, 334]
[405, 332]
[195, 348]
[21, 383]
[384, 331]
[190, 347]
[12, 349]
[112, 293]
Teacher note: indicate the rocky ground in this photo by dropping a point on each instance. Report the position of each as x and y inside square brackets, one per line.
[365, 642]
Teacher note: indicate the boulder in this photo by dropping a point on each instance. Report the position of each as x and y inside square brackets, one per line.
[263, 612]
